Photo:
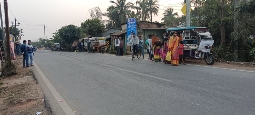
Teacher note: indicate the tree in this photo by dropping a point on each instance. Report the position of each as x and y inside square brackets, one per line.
[93, 27]
[170, 18]
[14, 31]
[143, 9]
[153, 7]
[69, 34]
[112, 14]
[121, 8]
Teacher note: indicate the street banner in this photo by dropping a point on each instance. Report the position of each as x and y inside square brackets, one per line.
[131, 27]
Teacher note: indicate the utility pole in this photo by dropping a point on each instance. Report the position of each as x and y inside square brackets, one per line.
[236, 33]
[44, 30]
[1, 16]
[188, 13]
[7, 31]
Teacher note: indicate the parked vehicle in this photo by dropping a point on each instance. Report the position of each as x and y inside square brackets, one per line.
[198, 42]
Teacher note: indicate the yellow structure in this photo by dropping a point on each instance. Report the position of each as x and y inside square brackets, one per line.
[184, 9]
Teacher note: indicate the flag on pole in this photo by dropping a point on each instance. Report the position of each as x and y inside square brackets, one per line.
[184, 9]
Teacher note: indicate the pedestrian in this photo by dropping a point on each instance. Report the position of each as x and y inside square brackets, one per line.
[135, 41]
[173, 47]
[30, 52]
[181, 48]
[141, 46]
[121, 46]
[148, 43]
[88, 44]
[23, 49]
[117, 45]
[156, 48]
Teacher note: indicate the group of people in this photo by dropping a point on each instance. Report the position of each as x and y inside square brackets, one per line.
[170, 43]
[119, 45]
[28, 52]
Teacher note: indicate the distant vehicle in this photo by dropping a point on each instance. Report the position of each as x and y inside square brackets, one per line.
[56, 46]
[35, 48]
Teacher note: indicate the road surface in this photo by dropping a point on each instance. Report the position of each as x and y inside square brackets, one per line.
[98, 84]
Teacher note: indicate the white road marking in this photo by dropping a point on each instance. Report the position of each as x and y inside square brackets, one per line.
[187, 64]
[57, 96]
[132, 71]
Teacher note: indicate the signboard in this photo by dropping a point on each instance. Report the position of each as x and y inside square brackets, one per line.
[183, 10]
[131, 27]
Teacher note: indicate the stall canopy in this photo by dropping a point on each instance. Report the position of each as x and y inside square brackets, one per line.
[119, 33]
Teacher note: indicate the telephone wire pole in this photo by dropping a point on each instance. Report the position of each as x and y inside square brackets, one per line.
[7, 31]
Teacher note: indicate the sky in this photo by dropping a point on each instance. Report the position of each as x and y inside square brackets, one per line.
[54, 14]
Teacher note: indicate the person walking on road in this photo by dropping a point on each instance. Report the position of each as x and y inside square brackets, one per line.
[30, 51]
[135, 41]
[23, 49]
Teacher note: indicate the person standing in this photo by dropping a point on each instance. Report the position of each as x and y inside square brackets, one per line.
[173, 47]
[88, 45]
[23, 49]
[156, 48]
[141, 45]
[30, 52]
[149, 46]
[181, 48]
[121, 46]
[117, 46]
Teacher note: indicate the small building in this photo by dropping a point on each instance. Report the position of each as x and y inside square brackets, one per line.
[144, 28]
[107, 34]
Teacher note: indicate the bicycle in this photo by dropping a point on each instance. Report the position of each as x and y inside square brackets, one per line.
[139, 54]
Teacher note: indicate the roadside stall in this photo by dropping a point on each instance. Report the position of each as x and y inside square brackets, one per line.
[102, 44]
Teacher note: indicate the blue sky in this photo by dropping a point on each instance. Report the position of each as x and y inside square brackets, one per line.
[33, 14]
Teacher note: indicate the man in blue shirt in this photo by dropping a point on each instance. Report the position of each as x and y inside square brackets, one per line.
[30, 52]
[23, 49]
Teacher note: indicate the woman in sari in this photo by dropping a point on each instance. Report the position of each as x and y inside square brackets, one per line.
[156, 48]
[173, 47]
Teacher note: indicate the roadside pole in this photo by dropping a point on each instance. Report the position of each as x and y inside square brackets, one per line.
[1, 16]
[188, 13]
[7, 31]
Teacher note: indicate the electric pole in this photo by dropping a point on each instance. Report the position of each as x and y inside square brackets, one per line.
[1, 16]
[44, 31]
[7, 31]
[188, 13]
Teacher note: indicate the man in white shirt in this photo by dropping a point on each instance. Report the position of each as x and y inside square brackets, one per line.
[135, 41]
[149, 47]
[117, 46]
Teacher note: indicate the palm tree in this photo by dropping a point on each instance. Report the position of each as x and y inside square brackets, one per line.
[143, 9]
[153, 7]
[113, 15]
[170, 17]
[122, 8]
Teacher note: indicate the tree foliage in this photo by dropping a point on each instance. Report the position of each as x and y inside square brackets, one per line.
[69, 33]
[14, 31]
[93, 27]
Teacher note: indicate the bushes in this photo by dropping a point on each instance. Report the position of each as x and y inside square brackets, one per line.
[9, 71]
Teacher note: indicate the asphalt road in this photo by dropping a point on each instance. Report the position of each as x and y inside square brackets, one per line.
[97, 84]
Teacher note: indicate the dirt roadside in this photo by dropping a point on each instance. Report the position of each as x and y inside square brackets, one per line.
[20, 94]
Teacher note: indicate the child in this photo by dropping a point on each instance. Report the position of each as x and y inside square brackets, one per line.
[181, 48]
